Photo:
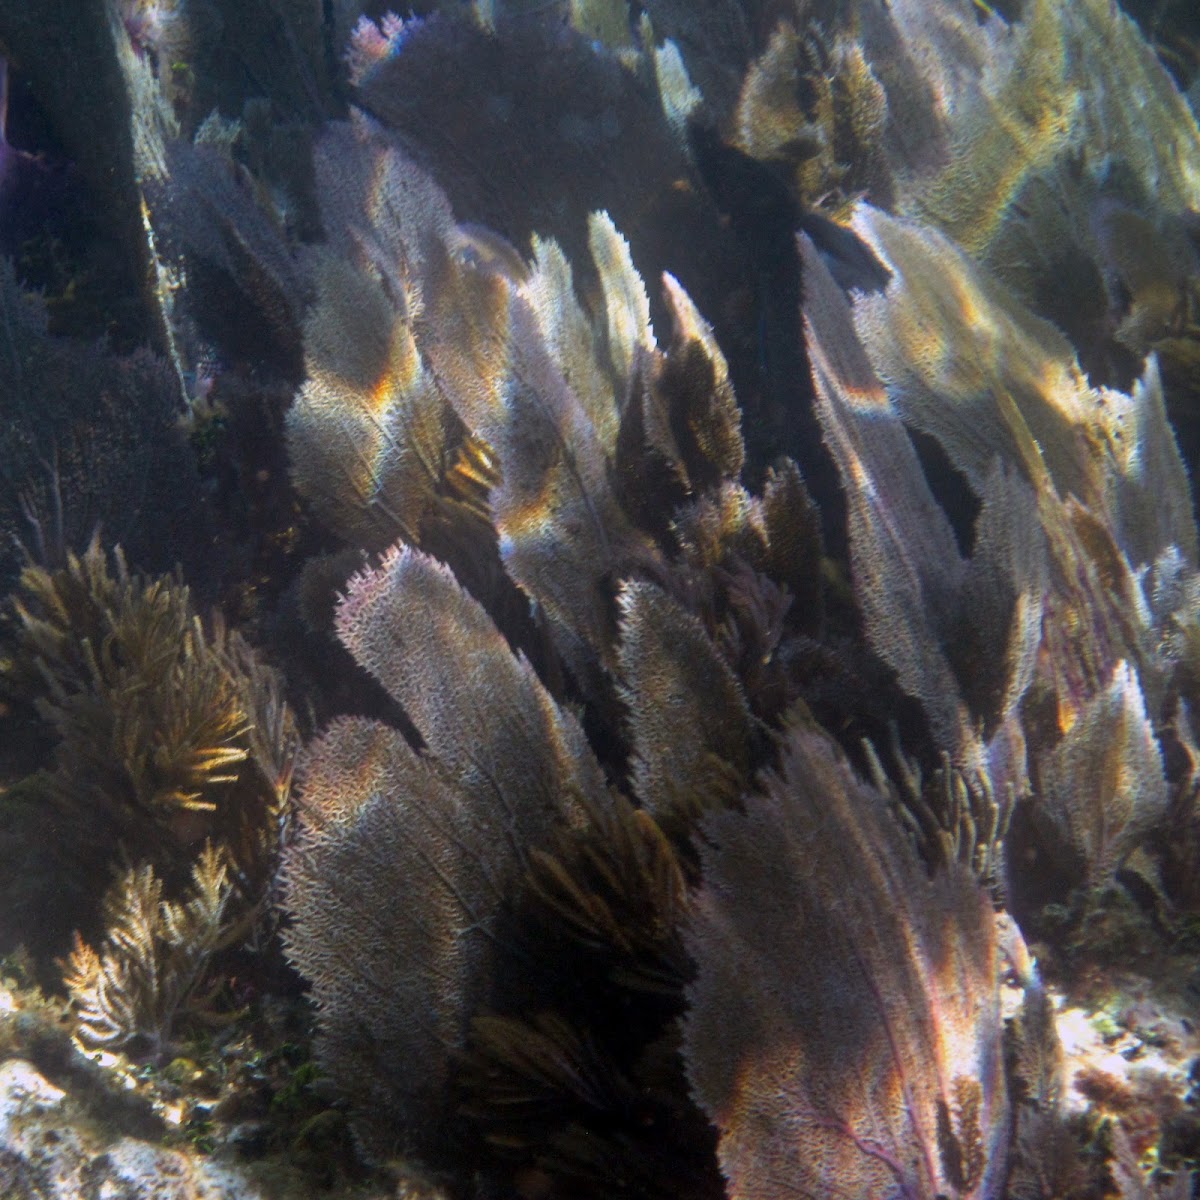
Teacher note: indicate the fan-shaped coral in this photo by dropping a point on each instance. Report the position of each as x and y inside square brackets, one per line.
[843, 1038]
[665, 846]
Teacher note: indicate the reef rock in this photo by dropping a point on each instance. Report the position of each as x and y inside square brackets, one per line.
[52, 1150]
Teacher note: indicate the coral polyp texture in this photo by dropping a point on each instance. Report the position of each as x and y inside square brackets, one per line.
[147, 979]
[712, 483]
[451, 830]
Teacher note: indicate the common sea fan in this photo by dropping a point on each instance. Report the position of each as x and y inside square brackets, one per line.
[398, 881]
[845, 1039]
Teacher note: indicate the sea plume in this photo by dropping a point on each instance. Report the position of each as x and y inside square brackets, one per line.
[147, 978]
[166, 732]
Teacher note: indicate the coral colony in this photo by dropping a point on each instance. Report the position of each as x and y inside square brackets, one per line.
[620, 614]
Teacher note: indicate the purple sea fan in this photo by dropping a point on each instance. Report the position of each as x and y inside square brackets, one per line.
[845, 1032]
[403, 861]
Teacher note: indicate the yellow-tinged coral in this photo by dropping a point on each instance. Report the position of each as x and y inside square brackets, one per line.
[167, 732]
[1065, 143]
[605, 21]
[1086, 538]
[965, 360]
[147, 978]
[1006, 122]
[814, 104]
[369, 433]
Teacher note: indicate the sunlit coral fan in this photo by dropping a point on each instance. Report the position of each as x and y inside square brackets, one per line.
[1104, 496]
[450, 832]
[843, 1034]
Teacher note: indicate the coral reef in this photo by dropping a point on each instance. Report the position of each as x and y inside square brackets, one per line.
[1104, 497]
[714, 481]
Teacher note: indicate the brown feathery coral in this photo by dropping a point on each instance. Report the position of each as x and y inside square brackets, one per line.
[618, 887]
[167, 733]
[147, 978]
[553, 1097]
[699, 432]
[845, 1040]
[951, 817]
[812, 102]
[574, 1072]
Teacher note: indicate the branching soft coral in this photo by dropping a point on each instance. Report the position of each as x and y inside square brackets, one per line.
[148, 976]
[167, 733]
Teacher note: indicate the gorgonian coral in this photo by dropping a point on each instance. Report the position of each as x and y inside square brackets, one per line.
[843, 1037]
[664, 851]
[90, 438]
[449, 831]
[147, 979]
[1082, 491]
[165, 733]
